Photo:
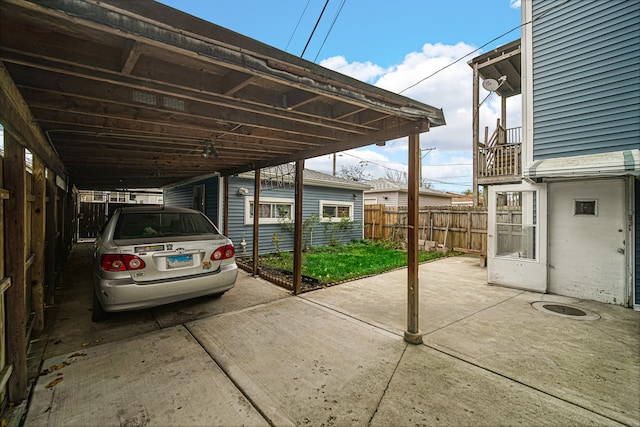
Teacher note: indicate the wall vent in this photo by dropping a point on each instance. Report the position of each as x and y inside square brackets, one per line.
[144, 98]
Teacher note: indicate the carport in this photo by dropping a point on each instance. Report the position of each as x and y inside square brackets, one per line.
[111, 95]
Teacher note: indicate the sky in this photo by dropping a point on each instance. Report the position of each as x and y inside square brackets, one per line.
[392, 45]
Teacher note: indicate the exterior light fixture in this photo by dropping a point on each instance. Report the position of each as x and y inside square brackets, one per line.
[209, 149]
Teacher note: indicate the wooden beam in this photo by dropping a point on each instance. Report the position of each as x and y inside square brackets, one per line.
[5, 374]
[130, 56]
[413, 335]
[38, 237]
[297, 232]
[15, 265]
[198, 107]
[18, 120]
[5, 282]
[498, 59]
[388, 134]
[234, 81]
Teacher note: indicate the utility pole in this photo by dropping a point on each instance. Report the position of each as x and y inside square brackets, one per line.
[334, 164]
[428, 150]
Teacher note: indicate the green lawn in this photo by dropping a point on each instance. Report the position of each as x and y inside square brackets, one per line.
[346, 261]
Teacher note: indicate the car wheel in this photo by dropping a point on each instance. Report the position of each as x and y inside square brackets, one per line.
[217, 295]
[97, 312]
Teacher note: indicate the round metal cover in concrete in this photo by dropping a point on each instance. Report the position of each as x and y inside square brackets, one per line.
[564, 310]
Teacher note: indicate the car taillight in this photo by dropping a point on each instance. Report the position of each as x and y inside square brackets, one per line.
[117, 262]
[223, 252]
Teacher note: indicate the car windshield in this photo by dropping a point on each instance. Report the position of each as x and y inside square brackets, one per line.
[154, 224]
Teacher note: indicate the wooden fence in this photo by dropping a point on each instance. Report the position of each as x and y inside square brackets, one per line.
[461, 227]
[37, 220]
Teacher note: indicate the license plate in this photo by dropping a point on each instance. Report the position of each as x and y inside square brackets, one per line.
[177, 261]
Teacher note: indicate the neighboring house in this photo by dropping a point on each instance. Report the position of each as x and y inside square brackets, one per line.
[464, 200]
[95, 207]
[563, 194]
[395, 194]
[335, 203]
[135, 196]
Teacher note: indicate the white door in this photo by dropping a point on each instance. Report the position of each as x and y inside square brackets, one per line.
[517, 236]
[587, 240]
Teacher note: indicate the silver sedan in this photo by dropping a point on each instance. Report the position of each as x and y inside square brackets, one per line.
[148, 256]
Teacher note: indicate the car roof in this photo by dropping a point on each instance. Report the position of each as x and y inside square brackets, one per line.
[153, 209]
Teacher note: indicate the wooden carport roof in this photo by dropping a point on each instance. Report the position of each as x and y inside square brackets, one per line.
[130, 94]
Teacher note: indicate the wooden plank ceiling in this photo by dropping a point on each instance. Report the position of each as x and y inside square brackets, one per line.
[133, 94]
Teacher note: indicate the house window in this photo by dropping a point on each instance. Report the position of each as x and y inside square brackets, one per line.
[585, 207]
[331, 211]
[271, 210]
[516, 222]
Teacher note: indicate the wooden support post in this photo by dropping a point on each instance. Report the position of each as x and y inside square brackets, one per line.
[225, 209]
[297, 232]
[52, 239]
[413, 335]
[38, 230]
[475, 125]
[256, 222]
[71, 216]
[15, 266]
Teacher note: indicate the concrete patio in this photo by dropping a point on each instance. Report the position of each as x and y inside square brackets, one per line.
[259, 356]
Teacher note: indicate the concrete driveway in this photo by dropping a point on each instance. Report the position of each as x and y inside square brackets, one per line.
[259, 356]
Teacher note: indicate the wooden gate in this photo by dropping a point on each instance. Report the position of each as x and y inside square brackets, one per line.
[92, 218]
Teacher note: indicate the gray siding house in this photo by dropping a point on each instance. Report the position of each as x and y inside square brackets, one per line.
[390, 193]
[575, 232]
[335, 203]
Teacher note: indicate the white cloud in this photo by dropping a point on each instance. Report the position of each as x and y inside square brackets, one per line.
[515, 4]
[449, 87]
[367, 72]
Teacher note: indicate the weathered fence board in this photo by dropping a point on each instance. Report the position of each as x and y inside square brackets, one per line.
[462, 227]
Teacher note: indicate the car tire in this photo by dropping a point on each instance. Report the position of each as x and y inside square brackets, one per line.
[217, 295]
[97, 312]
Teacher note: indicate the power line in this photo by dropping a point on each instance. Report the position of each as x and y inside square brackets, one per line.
[461, 58]
[314, 29]
[335, 18]
[535, 18]
[402, 171]
[297, 25]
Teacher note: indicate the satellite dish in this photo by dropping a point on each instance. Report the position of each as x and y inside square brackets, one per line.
[490, 84]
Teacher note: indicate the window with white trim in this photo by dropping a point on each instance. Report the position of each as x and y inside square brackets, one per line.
[332, 211]
[271, 210]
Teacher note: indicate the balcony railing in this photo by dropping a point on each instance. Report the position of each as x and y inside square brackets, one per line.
[500, 157]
